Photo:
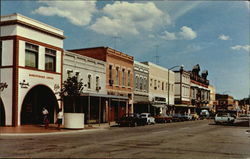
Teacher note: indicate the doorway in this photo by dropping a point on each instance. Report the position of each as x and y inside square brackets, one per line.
[38, 97]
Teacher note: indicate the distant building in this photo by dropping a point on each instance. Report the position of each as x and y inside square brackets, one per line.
[224, 102]
[119, 78]
[200, 93]
[30, 70]
[141, 84]
[159, 94]
[212, 100]
[182, 92]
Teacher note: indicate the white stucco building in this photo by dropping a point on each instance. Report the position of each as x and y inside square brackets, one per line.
[161, 88]
[30, 68]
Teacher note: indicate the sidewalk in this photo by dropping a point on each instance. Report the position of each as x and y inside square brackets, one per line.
[40, 129]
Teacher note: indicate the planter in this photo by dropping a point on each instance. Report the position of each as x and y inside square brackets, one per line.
[74, 120]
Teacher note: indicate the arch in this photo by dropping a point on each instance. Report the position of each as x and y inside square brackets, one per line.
[2, 113]
[38, 97]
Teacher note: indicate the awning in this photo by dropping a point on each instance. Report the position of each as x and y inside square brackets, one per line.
[104, 96]
[159, 105]
[183, 105]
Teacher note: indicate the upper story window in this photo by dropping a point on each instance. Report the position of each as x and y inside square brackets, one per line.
[155, 84]
[1, 48]
[123, 77]
[110, 72]
[145, 84]
[117, 76]
[141, 83]
[97, 83]
[89, 81]
[151, 82]
[50, 60]
[162, 86]
[136, 82]
[31, 55]
[129, 78]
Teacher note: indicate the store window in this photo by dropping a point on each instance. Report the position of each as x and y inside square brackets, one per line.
[31, 55]
[50, 60]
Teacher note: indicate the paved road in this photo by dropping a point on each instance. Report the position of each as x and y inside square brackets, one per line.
[193, 139]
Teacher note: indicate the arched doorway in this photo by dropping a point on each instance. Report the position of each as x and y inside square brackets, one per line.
[38, 97]
[2, 114]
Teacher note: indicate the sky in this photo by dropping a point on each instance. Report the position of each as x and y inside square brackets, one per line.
[213, 34]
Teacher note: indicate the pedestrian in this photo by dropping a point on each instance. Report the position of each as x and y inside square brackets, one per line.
[59, 119]
[45, 113]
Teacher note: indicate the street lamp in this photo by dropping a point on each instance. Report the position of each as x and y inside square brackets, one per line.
[181, 67]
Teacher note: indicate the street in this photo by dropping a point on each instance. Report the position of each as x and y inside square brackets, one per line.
[190, 139]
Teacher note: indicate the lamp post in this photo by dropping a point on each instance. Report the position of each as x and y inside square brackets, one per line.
[181, 67]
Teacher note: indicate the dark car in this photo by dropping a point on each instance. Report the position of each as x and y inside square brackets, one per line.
[131, 120]
[178, 117]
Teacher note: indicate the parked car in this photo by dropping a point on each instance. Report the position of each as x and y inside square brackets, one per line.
[187, 117]
[204, 114]
[163, 118]
[148, 117]
[195, 116]
[177, 117]
[131, 119]
[224, 117]
[244, 117]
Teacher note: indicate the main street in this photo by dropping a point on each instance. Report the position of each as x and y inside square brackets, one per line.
[191, 139]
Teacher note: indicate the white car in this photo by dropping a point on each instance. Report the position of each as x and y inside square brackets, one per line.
[223, 117]
[150, 119]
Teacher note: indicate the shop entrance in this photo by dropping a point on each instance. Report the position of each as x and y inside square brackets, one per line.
[2, 114]
[38, 97]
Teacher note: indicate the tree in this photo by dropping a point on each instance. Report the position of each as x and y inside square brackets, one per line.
[72, 87]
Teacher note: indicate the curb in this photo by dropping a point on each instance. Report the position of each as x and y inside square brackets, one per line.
[51, 133]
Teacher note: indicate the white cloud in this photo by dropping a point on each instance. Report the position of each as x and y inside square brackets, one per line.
[187, 33]
[168, 36]
[130, 18]
[77, 12]
[247, 4]
[241, 47]
[223, 37]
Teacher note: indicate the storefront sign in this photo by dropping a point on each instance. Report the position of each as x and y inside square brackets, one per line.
[24, 84]
[40, 76]
[3, 86]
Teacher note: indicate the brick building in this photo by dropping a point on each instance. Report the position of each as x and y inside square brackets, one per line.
[119, 78]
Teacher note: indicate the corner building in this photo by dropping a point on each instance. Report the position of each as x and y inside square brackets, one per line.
[30, 70]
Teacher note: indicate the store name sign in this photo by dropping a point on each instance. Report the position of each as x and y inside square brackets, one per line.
[40, 76]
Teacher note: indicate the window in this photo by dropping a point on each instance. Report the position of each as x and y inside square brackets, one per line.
[123, 77]
[110, 72]
[31, 55]
[117, 76]
[50, 60]
[1, 53]
[145, 84]
[141, 83]
[89, 81]
[97, 82]
[151, 82]
[162, 85]
[136, 82]
[155, 82]
[128, 78]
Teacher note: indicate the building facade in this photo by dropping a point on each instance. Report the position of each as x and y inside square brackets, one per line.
[212, 102]
[30, 69]
[182, 92]
[160, 97]
[119, 78]
[200, 93]
[141, 79]
[92, 73]
[224, 102]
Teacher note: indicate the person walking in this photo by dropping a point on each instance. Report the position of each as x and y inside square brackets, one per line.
[45, 113]
[59, 119]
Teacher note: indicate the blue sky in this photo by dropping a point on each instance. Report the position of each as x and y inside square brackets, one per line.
[213, 34]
